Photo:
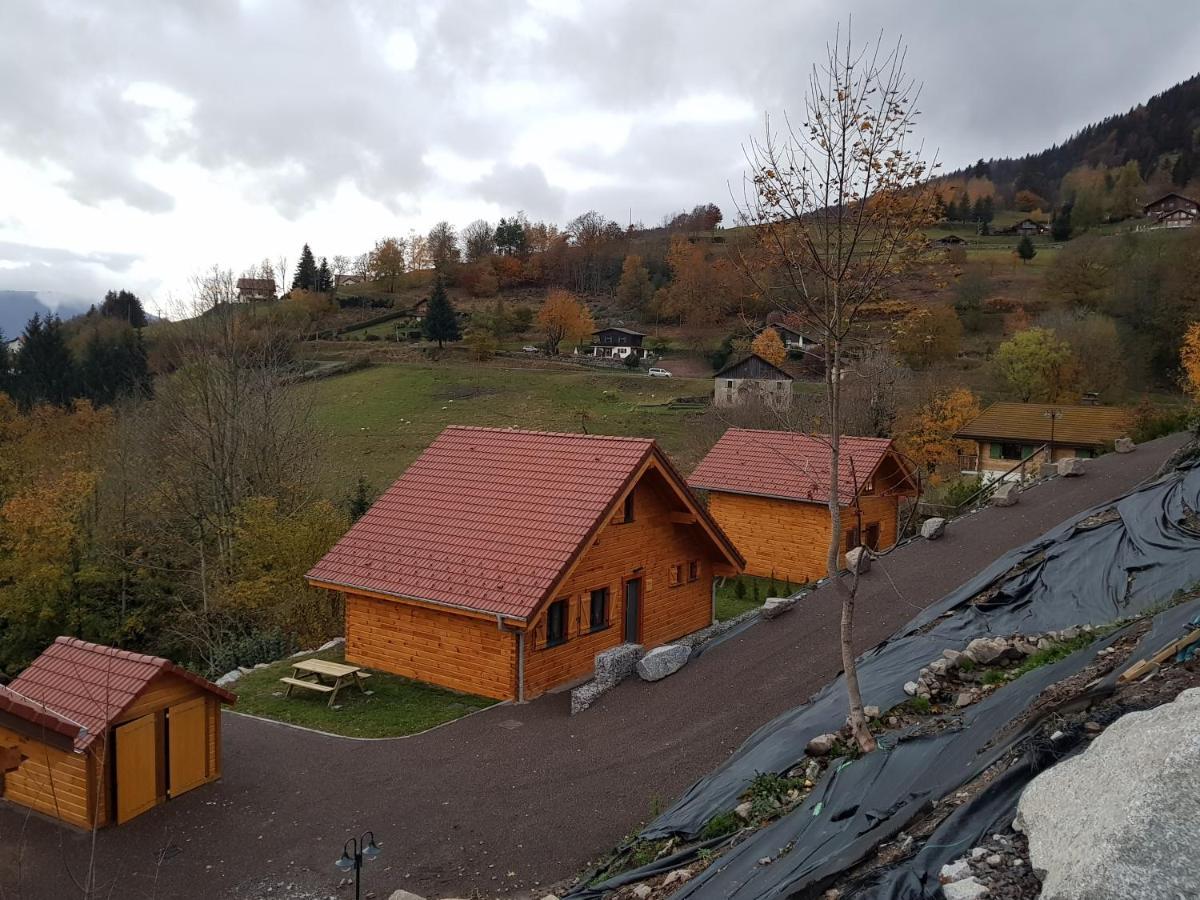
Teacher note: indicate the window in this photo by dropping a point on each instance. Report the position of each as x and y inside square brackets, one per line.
[675, 577]
[1011, 451]
[852, 540]
[1084, 453]
[598, 609]
[729, 384]
[628, 507]
[693, 569]
[556, 623]
[872, 531]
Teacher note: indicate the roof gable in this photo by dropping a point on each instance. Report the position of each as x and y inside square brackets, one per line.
[487, 519]
[92, 684]
[1074, 424]
[788, 465]
[754, 367]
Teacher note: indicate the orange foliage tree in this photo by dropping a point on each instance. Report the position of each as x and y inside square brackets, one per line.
[1189, 358]
[770, 347]
[927, 436]
[564, 318]
[928, 336]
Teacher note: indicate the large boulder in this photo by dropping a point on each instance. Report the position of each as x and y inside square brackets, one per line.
[1071, 466]
[987, 650]
[1124, 445]
[1006, 494]
[932, 529]
[617, 663]
[777, 606]
[663, 661]
[858, 560]
[1121, 820]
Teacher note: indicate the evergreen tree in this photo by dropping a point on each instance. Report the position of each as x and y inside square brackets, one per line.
[359, 500]
[1060, 226]
[306, 271]
[964, 207]
[113, 365]
[977, 210]
[324, 281]
[45, 371]
[987, 210]
[125, 306]
[1181, 172]
[1025, 249]
[441, 322]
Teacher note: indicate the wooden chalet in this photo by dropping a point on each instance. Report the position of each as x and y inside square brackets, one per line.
[94, 735]
[752, 379]
[618, 343]
[502, 561]
[769, 491]
[1165, 207]
[1005, 433]
[250, 289]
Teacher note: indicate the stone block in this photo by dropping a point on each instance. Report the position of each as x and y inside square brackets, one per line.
[662, 661]
[858, 560]
[932, 529]
[617, 663]
[1006, 494]
[1124, 445]
[777, 606]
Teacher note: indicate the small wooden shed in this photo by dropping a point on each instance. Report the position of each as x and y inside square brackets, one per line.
[95, 736]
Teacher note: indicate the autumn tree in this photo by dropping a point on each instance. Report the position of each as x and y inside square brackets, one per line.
[634, 290]
[927, 435]
[563, 318]
[971, 289]
[1189, 359]
[838, 206]
[769, 345]
[442, 245]
[926, 337]
[441, 321]
[1094, 339]
[1035, 365]
[1028, 201]
[694, 294]
[387, 261]
[478, 240]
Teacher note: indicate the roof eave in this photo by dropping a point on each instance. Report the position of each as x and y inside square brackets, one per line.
[318, 582]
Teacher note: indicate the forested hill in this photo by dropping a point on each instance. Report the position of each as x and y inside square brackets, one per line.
[1161, 135]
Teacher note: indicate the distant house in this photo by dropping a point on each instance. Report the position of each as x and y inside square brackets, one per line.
[752, 379]
[1007, 433]
[103, 735]
[950, 240]
[346, 279]
[502, 561]
[618, 343]
[1177, 218]
[1029, 226]
[792, 338]
[1171, 203]
[256, 289]
[769, 491]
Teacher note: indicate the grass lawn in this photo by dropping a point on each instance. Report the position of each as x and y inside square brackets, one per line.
[396, 706]
[754, 591]
[375, 421]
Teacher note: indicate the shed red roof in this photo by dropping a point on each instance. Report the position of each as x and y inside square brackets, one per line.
[93, 684]
[487, 519]
[36, 714]
[787, 465]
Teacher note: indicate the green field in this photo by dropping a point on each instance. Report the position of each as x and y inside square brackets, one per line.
[375, 421]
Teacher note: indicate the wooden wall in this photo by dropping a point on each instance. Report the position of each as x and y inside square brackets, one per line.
[51, 781]
[461, 652]
[788, 540]
[646, 547]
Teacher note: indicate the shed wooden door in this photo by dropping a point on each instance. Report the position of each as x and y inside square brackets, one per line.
[137, 767]
[187, 745]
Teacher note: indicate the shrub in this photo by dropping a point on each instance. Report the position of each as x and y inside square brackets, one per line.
[632, 361]
[719, 825]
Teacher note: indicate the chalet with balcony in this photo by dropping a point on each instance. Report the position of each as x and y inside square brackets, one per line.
[250, 289]
[618, 343]
[1172, 210]
[1007, 434]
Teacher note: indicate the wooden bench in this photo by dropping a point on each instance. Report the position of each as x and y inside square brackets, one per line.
[309, 685]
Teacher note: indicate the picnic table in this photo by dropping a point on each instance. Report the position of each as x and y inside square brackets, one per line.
[314, 675]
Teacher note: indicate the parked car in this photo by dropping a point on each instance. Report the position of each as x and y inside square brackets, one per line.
[529, 349]
[656, 372]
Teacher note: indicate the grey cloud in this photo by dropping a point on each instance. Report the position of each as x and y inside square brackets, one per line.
[73, 278]
[523, 187]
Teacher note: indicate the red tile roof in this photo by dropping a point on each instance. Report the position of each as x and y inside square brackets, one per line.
[787, 465]
[488, 519]
[37, 714]
[93, 684]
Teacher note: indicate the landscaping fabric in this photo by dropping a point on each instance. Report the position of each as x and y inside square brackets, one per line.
[1114, 561]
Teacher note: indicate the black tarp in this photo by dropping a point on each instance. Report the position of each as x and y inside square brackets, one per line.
[1092, 569]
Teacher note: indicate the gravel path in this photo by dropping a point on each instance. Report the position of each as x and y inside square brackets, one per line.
[514, 798]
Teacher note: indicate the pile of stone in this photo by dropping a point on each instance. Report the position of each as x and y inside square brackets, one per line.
[947, 678]
[611, 668]
[997, 869]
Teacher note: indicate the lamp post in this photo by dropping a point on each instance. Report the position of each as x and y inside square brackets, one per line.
[354, 852]
[1053, 415]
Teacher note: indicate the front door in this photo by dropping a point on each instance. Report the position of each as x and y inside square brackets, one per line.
[137, 767]
[633, 610]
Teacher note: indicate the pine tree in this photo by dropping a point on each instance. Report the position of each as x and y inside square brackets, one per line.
[1060, 227]
[1181, 172]
[1025, 249]
[324, 277]
[125, 306]
[441, 322]
[306, 271]
[988, 210]
[45, 369]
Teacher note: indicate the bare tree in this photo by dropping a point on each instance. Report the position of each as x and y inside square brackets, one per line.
[339, 265]
[281, 266]
[837, 204]
[478, 240]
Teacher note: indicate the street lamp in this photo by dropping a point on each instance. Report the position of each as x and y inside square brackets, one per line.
[354, 852]
[1053, 415]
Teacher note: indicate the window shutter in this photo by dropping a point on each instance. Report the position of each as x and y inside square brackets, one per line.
[995, 451]
[1026, 451]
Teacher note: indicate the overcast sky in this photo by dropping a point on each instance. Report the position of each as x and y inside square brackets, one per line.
[143, 141]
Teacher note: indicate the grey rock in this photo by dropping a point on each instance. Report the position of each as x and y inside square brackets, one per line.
[1121, 816]
[586, 694]
[911, 688]
[1070, 467]
[995, 859]
[642, 891]
[821, 744]
[229, 678]
[939, 667]
[967, 889]
[966, 698]
[1025, 648]
[1044, 643]
[859, 560]
[260, 666]
[1124, 445]
[1069, 634]
[952, 657]
[742, 810]
[932, 529]
[662, 661]
[774, 607]
[617, 663]
[404, 895]
[1006, 494]
[329, 645]
[679, 876]
[764, 860]
[871, 712]
[987, 650]
[977, 852]
[955, 871]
